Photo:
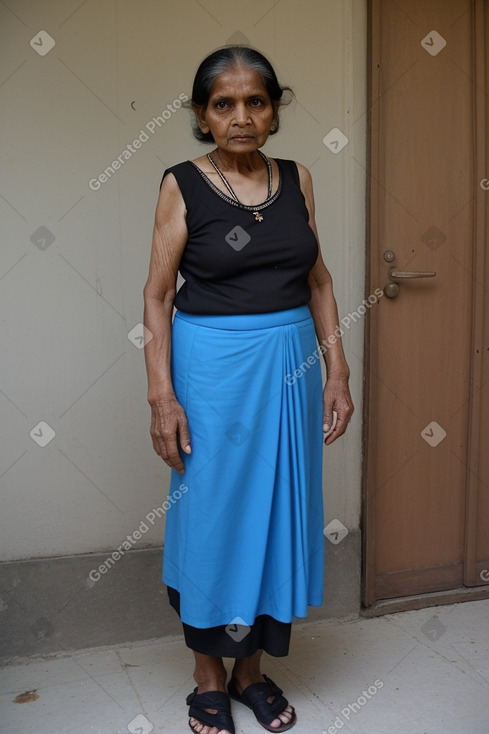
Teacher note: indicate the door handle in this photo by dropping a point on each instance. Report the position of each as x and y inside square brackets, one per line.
[411, 273]
[391, 289]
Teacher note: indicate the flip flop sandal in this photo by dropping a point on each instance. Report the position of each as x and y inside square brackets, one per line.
[217, 700]
[255, 697]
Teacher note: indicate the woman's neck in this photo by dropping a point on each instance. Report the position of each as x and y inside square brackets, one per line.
[238, 162]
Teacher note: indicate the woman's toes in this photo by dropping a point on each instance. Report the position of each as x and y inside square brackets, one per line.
[287, 714]
[284, 717]
[201, 728]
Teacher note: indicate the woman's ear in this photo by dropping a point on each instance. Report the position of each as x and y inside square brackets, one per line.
[199, 113]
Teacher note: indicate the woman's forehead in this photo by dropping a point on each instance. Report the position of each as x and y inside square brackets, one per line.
[239, 80]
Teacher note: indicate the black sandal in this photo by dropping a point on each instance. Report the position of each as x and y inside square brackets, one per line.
[255, 697]
[217, 700]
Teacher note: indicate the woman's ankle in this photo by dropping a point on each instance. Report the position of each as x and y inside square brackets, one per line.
[210, 673]
[248, 669]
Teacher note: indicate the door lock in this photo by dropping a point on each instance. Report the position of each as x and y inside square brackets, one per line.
[391, 290]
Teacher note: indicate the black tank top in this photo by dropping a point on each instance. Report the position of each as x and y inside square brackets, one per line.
[235, 264]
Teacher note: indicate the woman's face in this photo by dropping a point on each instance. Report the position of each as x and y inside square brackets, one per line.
[239, 113]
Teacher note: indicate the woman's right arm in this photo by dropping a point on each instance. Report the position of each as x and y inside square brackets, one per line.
[168, 420]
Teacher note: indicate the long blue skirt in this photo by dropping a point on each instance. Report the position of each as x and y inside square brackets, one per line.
[244, 532]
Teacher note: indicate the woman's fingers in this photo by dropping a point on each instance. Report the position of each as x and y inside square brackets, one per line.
[337, 411]
[173, 458]
[169, 427]
[184, 434]
[338, 430]
[330, 418]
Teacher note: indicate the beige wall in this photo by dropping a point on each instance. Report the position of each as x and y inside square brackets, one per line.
[67, 306]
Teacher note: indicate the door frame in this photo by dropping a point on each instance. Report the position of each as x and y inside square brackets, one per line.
[475, 589]
[480, 329]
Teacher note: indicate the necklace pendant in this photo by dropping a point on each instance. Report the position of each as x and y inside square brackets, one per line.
[258, 216]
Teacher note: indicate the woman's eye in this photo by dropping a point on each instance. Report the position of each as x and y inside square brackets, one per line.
[256, 102]
[221, 104]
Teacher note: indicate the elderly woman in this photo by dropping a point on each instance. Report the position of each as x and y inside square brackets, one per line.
[235, 390]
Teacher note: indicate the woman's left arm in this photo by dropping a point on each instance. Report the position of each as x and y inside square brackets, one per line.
[336, 394]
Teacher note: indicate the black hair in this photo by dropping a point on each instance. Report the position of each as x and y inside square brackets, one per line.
[226, 58]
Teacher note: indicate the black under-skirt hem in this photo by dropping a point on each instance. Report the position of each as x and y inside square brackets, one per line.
[266, 633]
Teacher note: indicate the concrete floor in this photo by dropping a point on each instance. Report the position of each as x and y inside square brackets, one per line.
[420, 672]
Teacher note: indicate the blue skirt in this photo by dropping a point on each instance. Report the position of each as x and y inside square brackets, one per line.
[244, 532]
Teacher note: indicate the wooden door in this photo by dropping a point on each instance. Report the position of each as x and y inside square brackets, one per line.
[426, 468]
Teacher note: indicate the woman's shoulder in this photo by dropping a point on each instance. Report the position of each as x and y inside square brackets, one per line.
[179, 171]
[293, 166]
[299, 167]
[182, 166]
[298, 171]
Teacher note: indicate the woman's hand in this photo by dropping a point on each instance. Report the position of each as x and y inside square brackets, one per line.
[336, 396]
[168, 427]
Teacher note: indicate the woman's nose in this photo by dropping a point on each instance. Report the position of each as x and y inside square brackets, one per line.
[241, 114]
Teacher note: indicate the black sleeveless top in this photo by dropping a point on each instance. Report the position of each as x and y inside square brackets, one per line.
[234, 264]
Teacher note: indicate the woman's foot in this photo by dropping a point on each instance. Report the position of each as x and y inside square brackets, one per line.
[198, 726]
[283, 718]
[210, 676]
[246, 672]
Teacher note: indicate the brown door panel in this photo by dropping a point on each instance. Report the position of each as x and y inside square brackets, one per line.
[426, 471]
